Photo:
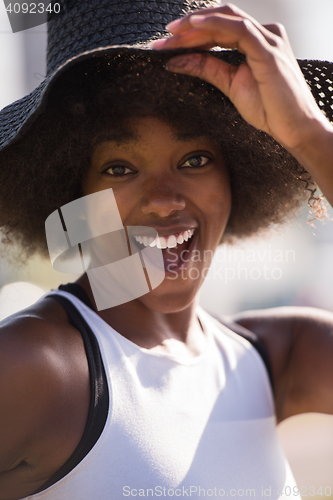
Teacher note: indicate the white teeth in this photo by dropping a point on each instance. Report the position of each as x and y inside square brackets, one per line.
[161, 242]
[172, 242]
[165, 241]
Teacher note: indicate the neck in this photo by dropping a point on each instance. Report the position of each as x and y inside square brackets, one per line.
[148, 328]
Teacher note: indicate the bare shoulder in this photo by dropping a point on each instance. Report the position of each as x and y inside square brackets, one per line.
[43, 375]
[299, 341]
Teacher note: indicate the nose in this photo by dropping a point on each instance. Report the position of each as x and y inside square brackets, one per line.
[161, 197]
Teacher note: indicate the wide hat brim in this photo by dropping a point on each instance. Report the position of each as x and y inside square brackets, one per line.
[75, 32]
[16, 118]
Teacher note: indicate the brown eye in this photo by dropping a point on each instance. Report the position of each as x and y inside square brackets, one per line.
[118, 171]
[196, 161]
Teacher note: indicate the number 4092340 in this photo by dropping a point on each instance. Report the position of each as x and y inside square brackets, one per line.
[32, 8]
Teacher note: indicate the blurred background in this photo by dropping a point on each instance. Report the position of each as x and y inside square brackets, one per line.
[290, 266]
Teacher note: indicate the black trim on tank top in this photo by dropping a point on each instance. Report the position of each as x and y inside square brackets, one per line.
[253, 339]
[99, 400]
[99, 403]
[79, 292]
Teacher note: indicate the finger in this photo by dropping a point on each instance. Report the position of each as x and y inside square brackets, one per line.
[183, 24]
[277, 28]
[269, 31]
[279, 31]
[206, 67]
[219, 22]
[224, 32]
[193, 39]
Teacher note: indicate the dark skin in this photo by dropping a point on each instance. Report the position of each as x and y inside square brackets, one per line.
[44, 382]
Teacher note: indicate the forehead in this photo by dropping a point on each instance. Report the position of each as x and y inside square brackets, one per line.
[137, 130]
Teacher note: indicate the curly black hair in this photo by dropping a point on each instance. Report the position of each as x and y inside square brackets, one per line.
[44, 170]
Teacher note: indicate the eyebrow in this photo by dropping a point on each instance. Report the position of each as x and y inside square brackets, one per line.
[121, 137]
[129, 136]
[188, 136]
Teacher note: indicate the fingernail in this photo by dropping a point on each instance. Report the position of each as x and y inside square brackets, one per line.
[196, 20]
[173, 24]
[156, 44]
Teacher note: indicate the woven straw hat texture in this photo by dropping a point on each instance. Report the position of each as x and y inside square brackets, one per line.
[93, 28]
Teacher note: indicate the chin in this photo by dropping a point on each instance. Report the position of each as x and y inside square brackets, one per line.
[171, 297]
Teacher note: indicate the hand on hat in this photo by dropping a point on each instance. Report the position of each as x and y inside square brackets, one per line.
[268, 90]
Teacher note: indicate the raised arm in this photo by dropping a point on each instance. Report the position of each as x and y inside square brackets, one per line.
[268, 90]
[270, 93]
[300, 345]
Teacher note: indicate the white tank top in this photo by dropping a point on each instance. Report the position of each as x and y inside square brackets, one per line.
[195, 428]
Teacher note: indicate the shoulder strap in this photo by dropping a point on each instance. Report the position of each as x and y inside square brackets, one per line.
[253, 339]
[99, 393]
[77, 290]
[257, 343]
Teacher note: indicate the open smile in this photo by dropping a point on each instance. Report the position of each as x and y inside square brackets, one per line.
[163, 242]
[176, 255]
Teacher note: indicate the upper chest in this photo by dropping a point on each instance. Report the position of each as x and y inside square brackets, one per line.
[149, 390]
[180, 423]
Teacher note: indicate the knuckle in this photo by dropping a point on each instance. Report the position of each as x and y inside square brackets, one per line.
[280, 29]
[277, 29]
[279, 43]
[245, 25]
[229, 8]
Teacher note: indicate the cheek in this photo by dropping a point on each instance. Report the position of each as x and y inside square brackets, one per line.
[218, 199]
[127, 203]
[101, 210]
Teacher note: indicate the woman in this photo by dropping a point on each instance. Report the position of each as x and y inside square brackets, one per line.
[153, 397]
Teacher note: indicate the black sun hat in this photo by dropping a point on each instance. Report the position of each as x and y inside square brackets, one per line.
[95, 28]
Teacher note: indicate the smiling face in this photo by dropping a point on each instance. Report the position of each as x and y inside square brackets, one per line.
[174, 183]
